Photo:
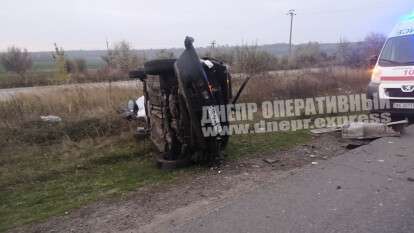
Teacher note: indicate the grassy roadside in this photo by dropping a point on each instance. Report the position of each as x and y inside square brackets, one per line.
[42, 181]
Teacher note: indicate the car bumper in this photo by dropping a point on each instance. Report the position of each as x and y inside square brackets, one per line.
[375, 89]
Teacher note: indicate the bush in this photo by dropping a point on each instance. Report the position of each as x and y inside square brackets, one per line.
[76, 66]
[251, 60]
[16, 60]
[122, 58]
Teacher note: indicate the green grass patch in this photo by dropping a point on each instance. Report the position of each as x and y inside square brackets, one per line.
[37, 182]
[241, 146]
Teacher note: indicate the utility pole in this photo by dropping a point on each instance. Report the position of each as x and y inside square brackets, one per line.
[292, 13]
[213, 44]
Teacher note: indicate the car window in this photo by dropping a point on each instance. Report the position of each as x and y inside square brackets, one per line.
[398, 51]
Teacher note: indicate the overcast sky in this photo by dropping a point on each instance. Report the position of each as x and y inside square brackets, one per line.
[85, 24]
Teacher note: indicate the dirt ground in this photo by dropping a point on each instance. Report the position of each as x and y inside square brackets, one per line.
[151, 208]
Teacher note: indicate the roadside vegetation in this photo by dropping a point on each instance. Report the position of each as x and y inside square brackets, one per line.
[19, 69]
[306, 83]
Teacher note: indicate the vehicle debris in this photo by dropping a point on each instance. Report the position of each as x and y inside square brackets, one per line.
[363, 130]
[135, 109]
[51, 118]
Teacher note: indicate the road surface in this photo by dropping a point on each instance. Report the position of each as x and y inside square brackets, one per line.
[369, 189]
[6, 94]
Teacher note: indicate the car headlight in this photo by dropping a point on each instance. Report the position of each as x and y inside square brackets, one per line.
[376, 75]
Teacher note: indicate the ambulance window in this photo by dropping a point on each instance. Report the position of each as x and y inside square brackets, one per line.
[398, 51]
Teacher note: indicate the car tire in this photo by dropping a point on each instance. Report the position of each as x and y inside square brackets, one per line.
[161, 66]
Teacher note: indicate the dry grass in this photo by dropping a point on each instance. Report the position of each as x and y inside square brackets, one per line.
[305, 83]
[86, 113]
[72, 104]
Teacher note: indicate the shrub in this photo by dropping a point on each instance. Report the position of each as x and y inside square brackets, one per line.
[17, 60]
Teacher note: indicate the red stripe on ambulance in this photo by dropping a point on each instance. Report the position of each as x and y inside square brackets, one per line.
[397, 78]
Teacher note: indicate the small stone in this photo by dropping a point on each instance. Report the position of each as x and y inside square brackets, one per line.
[315, 163]
[271, 161]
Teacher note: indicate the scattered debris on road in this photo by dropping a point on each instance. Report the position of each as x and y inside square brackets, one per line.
[363, 130]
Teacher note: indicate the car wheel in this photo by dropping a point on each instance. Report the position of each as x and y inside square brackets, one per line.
[161, 66]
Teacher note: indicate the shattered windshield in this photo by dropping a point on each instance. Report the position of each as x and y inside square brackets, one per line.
[398, 51]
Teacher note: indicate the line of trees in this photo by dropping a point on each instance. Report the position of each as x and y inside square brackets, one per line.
[120, 58]
[251, 59]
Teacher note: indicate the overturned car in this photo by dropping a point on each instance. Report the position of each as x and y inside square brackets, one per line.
[177, 92]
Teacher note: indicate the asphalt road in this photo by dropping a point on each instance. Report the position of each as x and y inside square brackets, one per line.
[6, 94]
[369, 189]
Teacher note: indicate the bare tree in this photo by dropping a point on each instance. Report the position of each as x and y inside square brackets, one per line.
[121, 57]
[17, 60]
[309, 54]
[61, 64]
[109, 57]
[252, 60]
[373, 44]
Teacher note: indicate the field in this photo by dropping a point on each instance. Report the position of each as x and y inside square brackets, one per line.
[49, 169]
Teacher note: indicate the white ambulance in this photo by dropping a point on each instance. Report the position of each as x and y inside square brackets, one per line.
[393, 75]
